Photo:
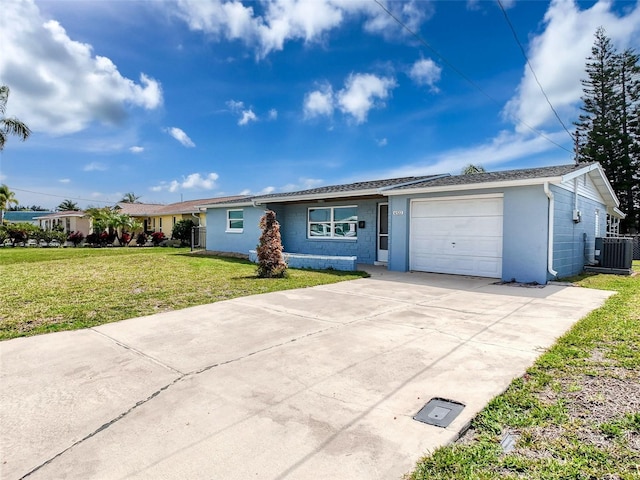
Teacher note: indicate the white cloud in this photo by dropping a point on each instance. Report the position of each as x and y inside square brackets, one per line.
[59, 85]
[65, 180]
[294, 20]
[136, 149]
[247, 116]
[382, 142]
[95, 166]
[425, 72]
[319, 102]
[303, 184]
[180, 136]
[235, 106]
[558, 57]
[193, 181]
[273, 114]
[504, 148]
[411, 13]
[362, 92]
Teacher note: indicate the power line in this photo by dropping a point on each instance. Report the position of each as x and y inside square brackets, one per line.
[524, 54]
[62, 196]
[465, 77]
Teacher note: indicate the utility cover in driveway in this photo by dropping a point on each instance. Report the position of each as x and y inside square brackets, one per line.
[439, 412]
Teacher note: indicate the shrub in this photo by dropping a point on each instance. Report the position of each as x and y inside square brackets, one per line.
[21, 232]
[93, 239]
[182, 231]
[141, 239]
[157, 238]
[271, 262]
[76, 238]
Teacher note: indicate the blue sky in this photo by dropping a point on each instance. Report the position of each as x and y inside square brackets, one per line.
[194, 99]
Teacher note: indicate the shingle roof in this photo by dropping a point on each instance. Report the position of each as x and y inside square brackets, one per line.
[349, 187]
[190, 206]
[489, 177]
[140, 209]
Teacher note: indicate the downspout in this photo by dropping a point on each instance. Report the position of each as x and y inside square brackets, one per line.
[549, 195]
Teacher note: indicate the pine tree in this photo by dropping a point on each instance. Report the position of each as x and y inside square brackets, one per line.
[607, 131]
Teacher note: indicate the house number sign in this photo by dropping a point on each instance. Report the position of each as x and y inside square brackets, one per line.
[398, 212]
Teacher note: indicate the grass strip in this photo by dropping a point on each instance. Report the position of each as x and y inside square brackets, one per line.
[49, 290]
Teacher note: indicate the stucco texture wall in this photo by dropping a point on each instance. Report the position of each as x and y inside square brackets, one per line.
[525, 227]
[574, 243]
[293, 229]
[218, 239]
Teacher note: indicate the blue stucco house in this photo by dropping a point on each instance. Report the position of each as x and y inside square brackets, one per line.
[528, 225]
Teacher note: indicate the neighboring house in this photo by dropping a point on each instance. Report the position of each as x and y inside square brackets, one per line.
[70, 221]
[529, 225]
[23, 216]
[162, 218]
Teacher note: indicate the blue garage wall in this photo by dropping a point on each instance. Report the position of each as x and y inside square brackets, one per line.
[574, 243]
[525, 209]
[399, 220]
[221, 241]
[526, 232]
[293, 229]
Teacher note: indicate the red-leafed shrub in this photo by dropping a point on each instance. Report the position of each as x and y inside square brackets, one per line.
[76, 238]
[271, 262]
[157, 238]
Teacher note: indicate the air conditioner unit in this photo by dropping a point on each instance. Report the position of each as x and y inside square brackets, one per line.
[614, 252]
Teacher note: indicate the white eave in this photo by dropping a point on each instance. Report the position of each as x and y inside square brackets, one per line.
[318, 196]
[475, 186]
[247, 203]
[599, 179]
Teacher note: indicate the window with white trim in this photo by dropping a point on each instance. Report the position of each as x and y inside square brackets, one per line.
[333, 222]
[235, 220]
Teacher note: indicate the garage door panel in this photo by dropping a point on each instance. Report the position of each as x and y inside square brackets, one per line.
[457, 236]
[468, 246]
[492, 226]
[459, 265]
[457, 208]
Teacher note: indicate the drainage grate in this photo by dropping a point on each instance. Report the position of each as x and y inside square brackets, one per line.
[439, 412]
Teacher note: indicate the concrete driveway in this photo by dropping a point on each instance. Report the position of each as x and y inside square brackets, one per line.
[316, 383]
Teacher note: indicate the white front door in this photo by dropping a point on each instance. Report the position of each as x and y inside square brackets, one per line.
[383, 232]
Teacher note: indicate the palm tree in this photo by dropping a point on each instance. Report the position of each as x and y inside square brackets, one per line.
[472, 169]
[67, 206]
[10, 126]
[130, 198]
[7, 197]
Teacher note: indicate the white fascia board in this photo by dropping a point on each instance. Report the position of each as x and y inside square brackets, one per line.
[225, 205]
[600, 181]
[582, 171]
[616, 212]
[318, 196]
[476, 186]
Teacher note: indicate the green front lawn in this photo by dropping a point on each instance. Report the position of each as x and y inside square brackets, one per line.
[575, 413]
[48, 290]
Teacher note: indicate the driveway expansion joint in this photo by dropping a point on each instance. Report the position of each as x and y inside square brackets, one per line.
[138, 352]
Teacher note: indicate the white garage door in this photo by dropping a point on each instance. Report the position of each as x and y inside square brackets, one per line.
[460, 236]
